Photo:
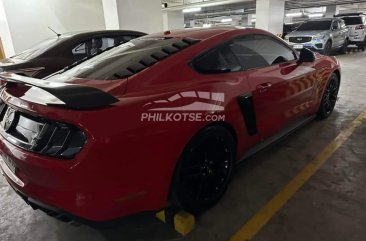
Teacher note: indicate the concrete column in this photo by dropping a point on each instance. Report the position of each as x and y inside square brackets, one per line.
[192, 23]
[141, 15]
[110, 14]
[331, 11]
[270, 15]
[5, 35]
[173, 20]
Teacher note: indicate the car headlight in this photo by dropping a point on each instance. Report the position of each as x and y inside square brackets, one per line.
[319, 37]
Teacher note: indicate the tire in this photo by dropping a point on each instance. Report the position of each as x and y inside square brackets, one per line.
[344, 48]
[327, 48]
[362, 45]
[329, 97]
[204, 170]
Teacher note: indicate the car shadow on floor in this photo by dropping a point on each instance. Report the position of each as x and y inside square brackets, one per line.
[142, 226]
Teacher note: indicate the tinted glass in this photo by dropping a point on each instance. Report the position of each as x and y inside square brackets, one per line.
[92, 46]
[352, 20]
[81, 50]
[335, 25]
[261, 51]
[107, 64]
[290, 27]
[126, 38]
[315, 25]
[218, 60]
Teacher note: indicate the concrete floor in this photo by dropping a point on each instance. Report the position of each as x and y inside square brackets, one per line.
[330, 206]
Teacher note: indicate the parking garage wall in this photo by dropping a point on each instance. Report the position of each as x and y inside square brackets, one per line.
[28, 19]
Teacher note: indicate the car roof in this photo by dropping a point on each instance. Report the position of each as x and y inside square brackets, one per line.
[97, 32]
[196, 33]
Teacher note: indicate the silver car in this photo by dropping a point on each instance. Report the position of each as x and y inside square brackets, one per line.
[356, 22]
[321, 35]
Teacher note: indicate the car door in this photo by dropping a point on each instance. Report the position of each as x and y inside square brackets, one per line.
[343, 31]
[281, 88]
[337, 34]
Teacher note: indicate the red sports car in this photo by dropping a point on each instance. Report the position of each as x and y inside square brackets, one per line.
[158, 121]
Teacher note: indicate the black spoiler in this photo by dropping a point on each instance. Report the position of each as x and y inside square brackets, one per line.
[70, 96]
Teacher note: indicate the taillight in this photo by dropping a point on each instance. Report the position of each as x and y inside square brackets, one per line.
[40, 135]
[360, 27]
[59, 140]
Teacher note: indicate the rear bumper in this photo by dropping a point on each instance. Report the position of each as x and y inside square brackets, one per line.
[354, 41]
[356, 38]
[69, 190]
[49, 210]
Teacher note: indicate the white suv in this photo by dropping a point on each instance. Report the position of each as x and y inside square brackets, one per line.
[356, 22]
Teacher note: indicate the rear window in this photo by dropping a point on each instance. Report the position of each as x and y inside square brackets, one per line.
[315, 25]
[352, 20]
[126, 59]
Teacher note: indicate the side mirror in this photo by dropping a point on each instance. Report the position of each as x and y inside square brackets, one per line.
[306, 55]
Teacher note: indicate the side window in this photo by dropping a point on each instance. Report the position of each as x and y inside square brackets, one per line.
[81, 50]
[335, 25]
[261, 51]
[107, 42]
[92, 46]
[218, 60]
[343, 24]
[126, 38]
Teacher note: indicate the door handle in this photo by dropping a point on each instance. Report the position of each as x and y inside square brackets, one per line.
[264, 87]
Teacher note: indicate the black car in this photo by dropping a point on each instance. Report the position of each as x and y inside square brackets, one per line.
[54, 54]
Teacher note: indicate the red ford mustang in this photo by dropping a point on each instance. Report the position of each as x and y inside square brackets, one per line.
[158, 121]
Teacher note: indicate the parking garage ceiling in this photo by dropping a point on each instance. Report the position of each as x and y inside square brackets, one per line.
[290, 4]
[295, 4]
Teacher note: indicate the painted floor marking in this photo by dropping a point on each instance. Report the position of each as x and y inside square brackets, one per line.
[257, 222]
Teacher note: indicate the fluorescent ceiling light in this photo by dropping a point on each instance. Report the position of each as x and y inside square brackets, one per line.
[315, 15]
[293, 14]
[191, 10]
[226, 20]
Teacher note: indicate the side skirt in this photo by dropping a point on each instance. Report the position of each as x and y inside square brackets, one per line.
[276, 138]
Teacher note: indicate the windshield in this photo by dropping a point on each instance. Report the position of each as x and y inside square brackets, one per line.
[108, 65]
[315, 25]
[37, 49]
[352, 20]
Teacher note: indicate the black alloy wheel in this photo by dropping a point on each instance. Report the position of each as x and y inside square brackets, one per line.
[362, 45]
[344, 47]
[327, 48]
[329, 98]
[204, 170]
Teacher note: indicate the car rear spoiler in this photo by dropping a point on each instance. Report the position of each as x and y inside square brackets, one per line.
[70, 96]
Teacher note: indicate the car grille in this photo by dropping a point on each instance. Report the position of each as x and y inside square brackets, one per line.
[299, 39]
